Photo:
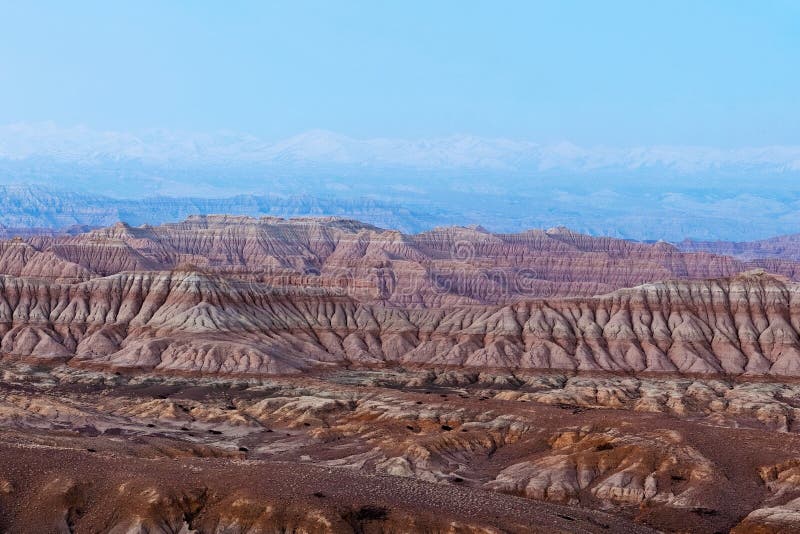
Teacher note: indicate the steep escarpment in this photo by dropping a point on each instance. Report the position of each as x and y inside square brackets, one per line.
[189, 321]
[443, 267]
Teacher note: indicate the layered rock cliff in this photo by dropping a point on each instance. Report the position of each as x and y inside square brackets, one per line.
[187, 321]
[785, 247]
[444, 267]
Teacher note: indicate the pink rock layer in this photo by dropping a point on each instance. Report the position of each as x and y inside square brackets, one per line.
[441, 268]
[184, 321]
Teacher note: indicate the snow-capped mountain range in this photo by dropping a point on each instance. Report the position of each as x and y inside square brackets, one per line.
[57, 176]
[319, 147]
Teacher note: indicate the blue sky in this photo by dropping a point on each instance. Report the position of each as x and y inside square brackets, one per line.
[715, 73]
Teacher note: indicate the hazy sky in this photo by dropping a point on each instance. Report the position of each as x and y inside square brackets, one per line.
[718, 73]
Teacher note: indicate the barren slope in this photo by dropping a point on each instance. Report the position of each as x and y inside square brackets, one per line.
[187, 321]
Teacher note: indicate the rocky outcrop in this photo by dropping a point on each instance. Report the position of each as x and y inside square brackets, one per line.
[60, 489]
[590, 465]
[781, 511]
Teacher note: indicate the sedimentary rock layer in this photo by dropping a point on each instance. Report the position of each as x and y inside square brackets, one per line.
[189, 321]
[784, 247]
[439, 382]
[443, 267]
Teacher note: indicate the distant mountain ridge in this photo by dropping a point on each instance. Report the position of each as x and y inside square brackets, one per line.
[36, 210]
[26, 208]
[322, 147]
[784, 247]
[505, 185]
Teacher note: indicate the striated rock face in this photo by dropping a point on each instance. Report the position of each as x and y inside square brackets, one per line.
[188, 321]
[785, 247]
[443, 267]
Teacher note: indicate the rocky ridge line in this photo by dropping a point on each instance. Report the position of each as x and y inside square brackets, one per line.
[444, 267]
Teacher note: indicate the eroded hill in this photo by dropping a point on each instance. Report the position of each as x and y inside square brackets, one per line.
[443, 267]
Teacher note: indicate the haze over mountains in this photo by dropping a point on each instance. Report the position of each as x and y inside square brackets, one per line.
[321, 147]
[504, 185]
[26, 208]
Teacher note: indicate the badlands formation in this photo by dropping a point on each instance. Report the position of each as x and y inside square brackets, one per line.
[228, 374]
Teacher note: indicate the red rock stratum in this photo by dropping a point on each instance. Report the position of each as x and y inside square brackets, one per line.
[441, 268]
[187, 321]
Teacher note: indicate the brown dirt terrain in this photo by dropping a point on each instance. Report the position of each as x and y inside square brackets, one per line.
[394, 450]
